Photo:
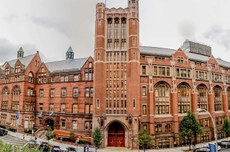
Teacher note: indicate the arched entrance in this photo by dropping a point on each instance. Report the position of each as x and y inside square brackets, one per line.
[50, 123]
[116, 135]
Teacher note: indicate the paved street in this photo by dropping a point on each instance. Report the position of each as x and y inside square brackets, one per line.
[17, 139]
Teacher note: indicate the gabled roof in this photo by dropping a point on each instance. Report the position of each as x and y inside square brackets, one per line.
[66, 65]
[24, 60]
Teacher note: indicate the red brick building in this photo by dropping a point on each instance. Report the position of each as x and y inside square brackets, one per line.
[150, 87]
[124, 88]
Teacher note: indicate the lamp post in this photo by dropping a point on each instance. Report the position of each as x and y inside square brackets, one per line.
[214, 125]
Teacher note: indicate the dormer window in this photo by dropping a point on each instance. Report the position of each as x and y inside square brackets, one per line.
[7, 71]
[180, 60]
[18, 69]
[31, 77]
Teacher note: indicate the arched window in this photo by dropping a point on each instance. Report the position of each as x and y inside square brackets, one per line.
[184, 98]
[162, 98]
[202, 96]
[5, 91]
[16, 90]
[31, 77]
[218, 98]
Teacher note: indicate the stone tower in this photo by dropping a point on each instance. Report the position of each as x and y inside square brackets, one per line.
[117, 75]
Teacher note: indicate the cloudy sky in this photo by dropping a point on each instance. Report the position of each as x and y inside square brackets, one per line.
[51, 26]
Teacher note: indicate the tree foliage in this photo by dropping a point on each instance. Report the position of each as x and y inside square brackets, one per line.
[10, 148]
[49, 134]
[144, 138]
[189, 128]
[226, 127]
[97, 137]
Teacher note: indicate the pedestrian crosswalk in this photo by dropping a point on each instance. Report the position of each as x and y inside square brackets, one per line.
[8, 139]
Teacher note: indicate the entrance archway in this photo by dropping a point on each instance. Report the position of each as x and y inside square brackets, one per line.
[50, 123]
[116, 135]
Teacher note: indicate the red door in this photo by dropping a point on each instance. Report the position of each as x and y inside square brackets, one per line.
[116, 135]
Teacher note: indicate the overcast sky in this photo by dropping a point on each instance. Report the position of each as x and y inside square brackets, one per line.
[51, 26]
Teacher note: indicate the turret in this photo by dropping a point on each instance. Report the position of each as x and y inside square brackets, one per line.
[70, 54]
[20, 53]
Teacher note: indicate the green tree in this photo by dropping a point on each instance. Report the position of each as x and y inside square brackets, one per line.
[97, 137]
[189, 128]
[144, 138]
[226, 127]
[49, 134]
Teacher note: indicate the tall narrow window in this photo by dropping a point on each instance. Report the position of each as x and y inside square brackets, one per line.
[109, 42]
[116, 33]
[123, 33]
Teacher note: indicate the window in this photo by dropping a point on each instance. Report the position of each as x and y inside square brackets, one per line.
[98, 103]
[144, 109]
[63, 123]
[134, 103]
[5, 91]
[88, 108]
[75, 92]
[184, 98]
[52, 93]
[15, 105]
[75, 108]
[168, 127]
[7, 71]
[158, 128]
[4, 105]
[30, 92]
[89, 92]
[63, 107]
[162, 98]
[218, 98]
[88, 125]
[158, 58]
[41, 106]
[76, 77]
[63, 92]
[51, 107]
[31, 77]
[180, 60]
[161, 71]
[144, 91]
[144, 70]
[74, 124]
[64, 78]
[16, 91]
[182, 73]
[41, 93]
[202, 97]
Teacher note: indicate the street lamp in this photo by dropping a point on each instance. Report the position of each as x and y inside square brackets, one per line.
[214, 125]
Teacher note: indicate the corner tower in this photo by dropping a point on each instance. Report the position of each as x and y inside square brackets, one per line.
[117, 74]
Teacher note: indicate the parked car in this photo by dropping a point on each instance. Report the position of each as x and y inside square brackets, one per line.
[56, 149]
[203, 149]
[44, 147]
[71, 149]
[224, 144]
[3, 132]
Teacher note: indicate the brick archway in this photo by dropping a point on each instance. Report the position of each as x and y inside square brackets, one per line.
[116, 135]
